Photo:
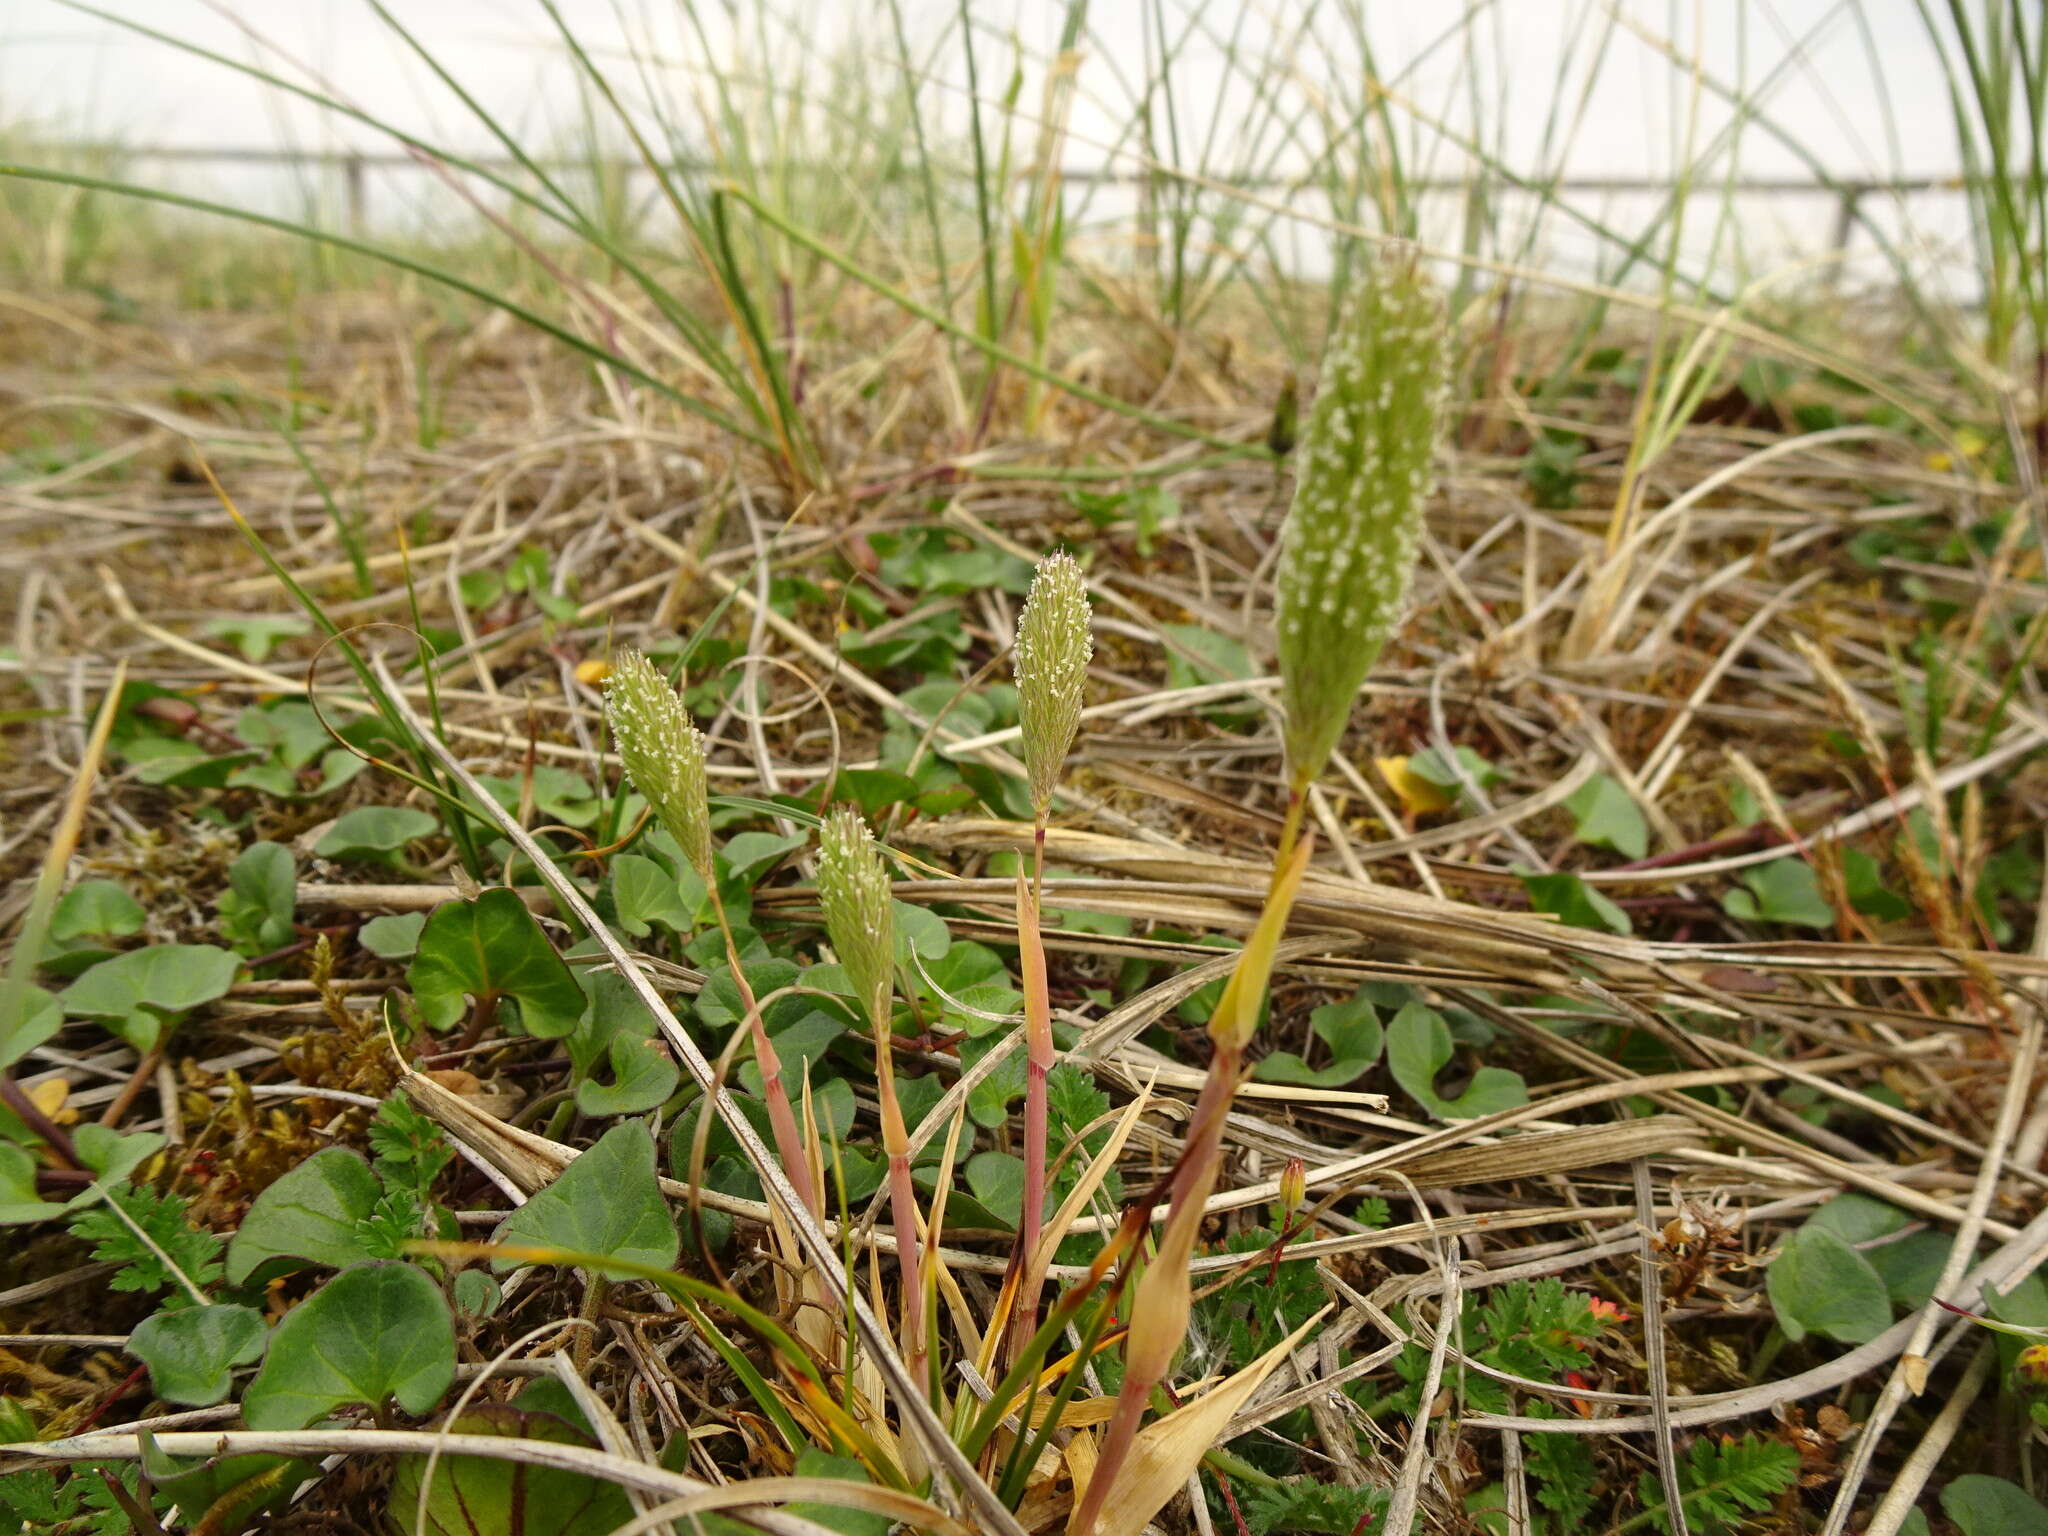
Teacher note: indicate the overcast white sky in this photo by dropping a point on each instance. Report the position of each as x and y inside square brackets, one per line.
[1852, 82]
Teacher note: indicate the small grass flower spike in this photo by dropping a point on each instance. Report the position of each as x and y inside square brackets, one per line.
[1345, 558]
[663, 753]
[1348, 547]
[1054, 647]
[853, 890]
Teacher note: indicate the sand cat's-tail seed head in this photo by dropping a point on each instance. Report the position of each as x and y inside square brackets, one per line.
[663, 753]
[1053, 651]
[1348, 547]
[853, 888]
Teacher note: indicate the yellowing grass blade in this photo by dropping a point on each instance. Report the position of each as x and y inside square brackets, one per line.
[1169, 1449]
[1237, 1012]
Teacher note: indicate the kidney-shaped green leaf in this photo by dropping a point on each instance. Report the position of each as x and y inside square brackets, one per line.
[375, 832]
[138, 994]
[490, 949]
[616, 1036]
[1819, 1284]
[606, 1202]
[1419, 1046]
[485, 1496]
[378, 1332]
[1991, 1506]
[307, 1217]
[28, 1017]
[1353, 1033]
[192, 1352]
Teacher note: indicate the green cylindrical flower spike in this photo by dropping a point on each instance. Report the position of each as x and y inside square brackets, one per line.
[1348, 548]
[853, 888]
[1054, 648]
[663, 753]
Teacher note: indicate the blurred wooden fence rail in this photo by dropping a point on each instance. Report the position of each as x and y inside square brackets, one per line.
[355, 166]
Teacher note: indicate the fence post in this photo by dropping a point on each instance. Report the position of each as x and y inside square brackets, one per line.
[355, 193]
[1845, 225]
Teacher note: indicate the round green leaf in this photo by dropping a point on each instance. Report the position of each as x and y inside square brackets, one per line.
[1990, 1506]
[491, 948]
[257, 909]
[378, 1332]
[139, 993]
[1819, 1284]
[191, 1353]
[606, 1202]
[394, 936]
[307, 1217]
[375, 831]
[1607, 816]
[28, 1017]
[97, 908]
[1419, 1046]
[487, 1496]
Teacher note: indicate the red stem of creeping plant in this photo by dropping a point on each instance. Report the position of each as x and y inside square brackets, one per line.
[789, 1143]
[1039, 1044]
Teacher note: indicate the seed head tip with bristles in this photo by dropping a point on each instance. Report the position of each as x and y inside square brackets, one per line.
[663, 753]
[1054, 647]
[854, 890]
[1348, 547]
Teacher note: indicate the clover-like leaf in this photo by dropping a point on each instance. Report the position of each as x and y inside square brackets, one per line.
[224, 1493]
[192, 1352]
[1564, 895]
[1605, 815]
[1990, 1506]
[1867, 891]
[1354, 1035]
[257, 908]
[307, 1217]
[1419, 1046]
[1782, 891]
[142, 993]
[255, 633]
[97, 909]
[559, 796]
[491, 949]
[1819, 1284]
[606, 1202]
[919, 931]
[380, 1332]
[617, 1032]
[489, 1496]
[997, 1179]
[395, 936]
[644, 893]
[107, 1154]
[375, 832]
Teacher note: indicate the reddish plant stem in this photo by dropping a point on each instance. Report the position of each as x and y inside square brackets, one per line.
[54, 1135]
[1039, 1044]
[789, 1142]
